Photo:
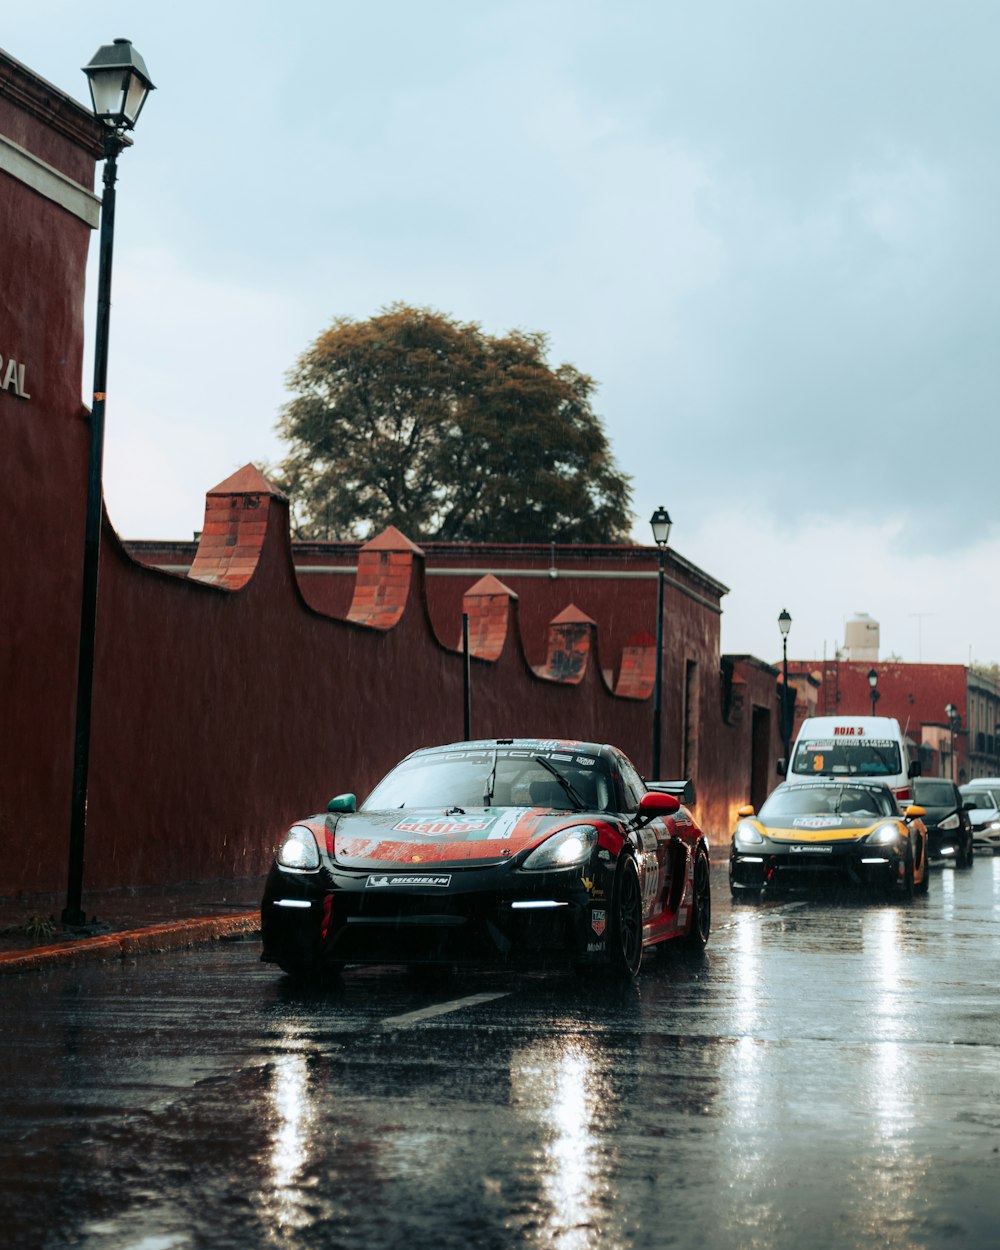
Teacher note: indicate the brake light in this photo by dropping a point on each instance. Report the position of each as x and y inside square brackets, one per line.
[903, 794]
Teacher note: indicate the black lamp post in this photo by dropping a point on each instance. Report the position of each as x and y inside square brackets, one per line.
[785, 624]
[119, 85]
[660, 521]
[873, 685]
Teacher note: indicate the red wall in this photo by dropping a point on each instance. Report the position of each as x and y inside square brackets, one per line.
[225, 703]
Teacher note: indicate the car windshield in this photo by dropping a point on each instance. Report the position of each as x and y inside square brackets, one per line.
[827, 800]
[934, 793]
[864, 757]
[984, 800]
[496, 777]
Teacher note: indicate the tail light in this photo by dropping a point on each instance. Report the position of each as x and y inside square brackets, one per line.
[903, 795]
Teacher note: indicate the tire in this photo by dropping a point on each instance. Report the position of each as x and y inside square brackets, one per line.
[701, 905]
[964, 859]
[925, 883]
[625, 942]
[907, 890]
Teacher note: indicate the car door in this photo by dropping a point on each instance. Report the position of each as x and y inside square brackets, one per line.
[662, 866]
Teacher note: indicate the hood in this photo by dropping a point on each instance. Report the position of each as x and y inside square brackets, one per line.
[820, 828]
[478, 837]
[980, 816]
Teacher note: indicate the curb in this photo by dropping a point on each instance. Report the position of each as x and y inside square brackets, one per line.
[151, 940]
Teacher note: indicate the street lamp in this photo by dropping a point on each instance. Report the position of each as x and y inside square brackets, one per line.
[119, 85]
[660, 521]
[785, 624]
[954, 720]
[873, 684]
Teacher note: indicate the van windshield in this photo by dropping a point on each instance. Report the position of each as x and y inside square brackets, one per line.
[861, 757]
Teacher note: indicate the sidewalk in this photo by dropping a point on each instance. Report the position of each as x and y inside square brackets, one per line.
[124, 923]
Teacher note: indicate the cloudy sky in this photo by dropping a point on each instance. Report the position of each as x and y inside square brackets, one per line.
[765, 227]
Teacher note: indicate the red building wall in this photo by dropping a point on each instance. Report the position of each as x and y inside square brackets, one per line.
[230, 697]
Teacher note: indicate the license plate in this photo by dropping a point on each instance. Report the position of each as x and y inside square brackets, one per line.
[812, 850]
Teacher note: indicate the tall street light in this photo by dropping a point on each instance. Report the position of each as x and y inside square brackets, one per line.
[119, 85]
[785, 624]
[873, 686]
[660, 521]
[954, 720]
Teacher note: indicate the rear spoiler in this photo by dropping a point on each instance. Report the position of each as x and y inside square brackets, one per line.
[683, 790]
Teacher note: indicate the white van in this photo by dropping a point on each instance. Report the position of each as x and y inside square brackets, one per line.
[853, 746]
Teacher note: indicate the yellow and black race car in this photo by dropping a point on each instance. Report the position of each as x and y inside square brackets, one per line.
[829, 833]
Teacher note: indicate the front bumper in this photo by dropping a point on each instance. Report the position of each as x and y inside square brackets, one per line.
[488, 916]
[985, 838]
[818, 866]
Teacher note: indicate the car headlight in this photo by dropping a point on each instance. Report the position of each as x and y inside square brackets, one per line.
[995, 824]
[565, 849]
[748, 835]
[298, 851]
[885, 835]
[951, 823]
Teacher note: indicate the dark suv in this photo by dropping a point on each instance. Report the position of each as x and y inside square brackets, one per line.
[949, 830]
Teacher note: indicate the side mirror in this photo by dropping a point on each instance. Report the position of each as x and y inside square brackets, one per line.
[343, 803]
[913, 811]
[782, 768]
[655, 803]
[969, 805]
[746, 811]
[916, 769]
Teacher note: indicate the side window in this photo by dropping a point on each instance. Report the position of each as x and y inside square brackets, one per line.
[631, 785]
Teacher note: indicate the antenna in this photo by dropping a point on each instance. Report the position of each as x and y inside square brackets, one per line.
[920, 640]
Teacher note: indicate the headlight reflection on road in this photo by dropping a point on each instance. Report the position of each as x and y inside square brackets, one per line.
[290, 1100]
[746, 943]
[559, 1083]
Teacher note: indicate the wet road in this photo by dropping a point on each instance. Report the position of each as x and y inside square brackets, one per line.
[827, 1076]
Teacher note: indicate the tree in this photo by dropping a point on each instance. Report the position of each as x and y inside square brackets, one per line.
[416, 420]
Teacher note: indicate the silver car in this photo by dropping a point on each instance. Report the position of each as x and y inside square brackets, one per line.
[984, 812]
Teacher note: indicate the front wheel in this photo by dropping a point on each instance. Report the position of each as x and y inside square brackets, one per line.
[625, 945]
[701, 904]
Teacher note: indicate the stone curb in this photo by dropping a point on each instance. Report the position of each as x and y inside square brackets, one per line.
[150, 940]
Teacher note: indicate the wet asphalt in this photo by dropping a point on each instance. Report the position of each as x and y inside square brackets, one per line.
[827, 1075]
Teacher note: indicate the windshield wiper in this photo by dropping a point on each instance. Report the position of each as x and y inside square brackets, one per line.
[491, 780]
[454, 811]
[578, 803]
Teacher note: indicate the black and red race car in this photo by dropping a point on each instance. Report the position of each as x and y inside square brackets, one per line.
[497, 852]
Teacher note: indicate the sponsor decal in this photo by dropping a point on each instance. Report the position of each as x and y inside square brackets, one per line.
[441, 828]
[585, 761]
[387, 880]
[594, 947]
[599, 920]
[816, 822]
[848, 731]
[813, 849]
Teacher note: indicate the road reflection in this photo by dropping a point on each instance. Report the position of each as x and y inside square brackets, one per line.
[560, 1085]
[293, 1114]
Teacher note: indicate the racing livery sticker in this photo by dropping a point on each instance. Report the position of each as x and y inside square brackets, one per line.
[389, 880]
[817, 822]
[812, 848]
[442, 828]
[599, 920]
